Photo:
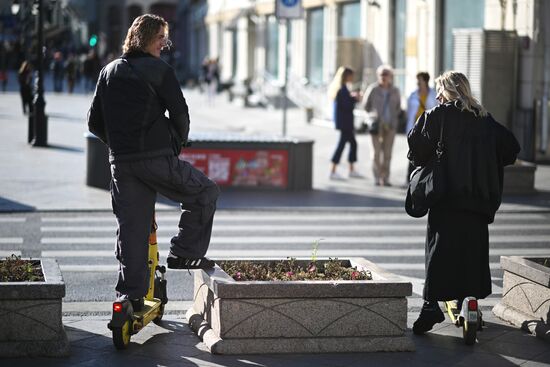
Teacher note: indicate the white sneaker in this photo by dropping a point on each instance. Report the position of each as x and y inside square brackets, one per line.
[335, 176]
[355, 174]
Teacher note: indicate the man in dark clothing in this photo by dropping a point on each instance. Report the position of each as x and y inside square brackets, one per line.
[475, 150]
[127, 113]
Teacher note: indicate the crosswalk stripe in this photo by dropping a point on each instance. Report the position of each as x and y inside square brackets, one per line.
[291, 216]
[267, 253]
[292, 240]
[7, 253]
[298, 227]
[12, 220]
[11, 240]
[108, 268]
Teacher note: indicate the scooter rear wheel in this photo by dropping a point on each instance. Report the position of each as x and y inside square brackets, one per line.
[121, 336]
[469, 332]
[158, 319]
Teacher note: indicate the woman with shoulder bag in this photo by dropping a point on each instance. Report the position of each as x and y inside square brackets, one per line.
[475, 149]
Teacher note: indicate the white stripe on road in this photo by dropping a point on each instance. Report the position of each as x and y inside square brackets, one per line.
[219, 240]
[8, 253]
[291, 216]
[386, 266]
[278, 253]
[11, 240]
[419, 266]
[12, 220]
[298, 228]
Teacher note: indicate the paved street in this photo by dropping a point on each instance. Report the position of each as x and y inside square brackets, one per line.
[83, 242]
[46, 210]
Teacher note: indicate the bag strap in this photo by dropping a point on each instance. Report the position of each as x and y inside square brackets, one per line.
[440, 149]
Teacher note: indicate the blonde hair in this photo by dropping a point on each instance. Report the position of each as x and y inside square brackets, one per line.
[142, 32]
[455, 87]
[338, 81]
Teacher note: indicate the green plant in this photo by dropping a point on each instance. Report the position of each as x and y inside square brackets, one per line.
[314, 250]
[15, 269]
[291, 269]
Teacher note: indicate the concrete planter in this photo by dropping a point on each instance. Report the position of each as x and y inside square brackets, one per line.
[519, 178]
[30, 316]
[525, 295]
[301, 316]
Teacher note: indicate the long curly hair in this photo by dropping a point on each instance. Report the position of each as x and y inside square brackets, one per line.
[455, 87]
[142, 32]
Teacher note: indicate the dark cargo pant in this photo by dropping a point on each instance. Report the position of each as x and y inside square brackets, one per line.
[134, 188]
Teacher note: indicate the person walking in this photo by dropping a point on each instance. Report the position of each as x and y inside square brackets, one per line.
[128, 114]
[422, 99]
[475, 150]
[344, 103]
[58, 69]
[71, 67]
[24, 77]
[382, 102]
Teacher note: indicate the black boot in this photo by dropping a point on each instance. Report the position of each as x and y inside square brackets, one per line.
[429, 316]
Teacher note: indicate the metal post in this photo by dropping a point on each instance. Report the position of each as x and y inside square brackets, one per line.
[40, 121]
[546, 78]
[285, 87]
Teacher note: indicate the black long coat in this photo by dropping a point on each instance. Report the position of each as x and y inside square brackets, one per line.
[457, 240]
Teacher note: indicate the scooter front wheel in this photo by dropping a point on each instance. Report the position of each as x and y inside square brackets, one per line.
[469, 332]
[121, 336]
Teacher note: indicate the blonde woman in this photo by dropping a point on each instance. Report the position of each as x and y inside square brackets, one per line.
[476, 148]
[344, 103]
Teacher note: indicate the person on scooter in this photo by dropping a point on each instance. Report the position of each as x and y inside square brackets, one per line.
[475, 150]
[132, 94]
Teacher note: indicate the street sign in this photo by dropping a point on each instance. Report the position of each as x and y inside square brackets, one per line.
[289, 9]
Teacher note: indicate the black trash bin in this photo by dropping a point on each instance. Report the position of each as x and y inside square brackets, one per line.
[98, 172]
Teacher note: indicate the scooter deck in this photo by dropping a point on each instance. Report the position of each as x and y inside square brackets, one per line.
[151, 309]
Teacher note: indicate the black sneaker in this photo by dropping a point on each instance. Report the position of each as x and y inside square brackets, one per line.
[138, 304]
[430, 315]
[176, 262]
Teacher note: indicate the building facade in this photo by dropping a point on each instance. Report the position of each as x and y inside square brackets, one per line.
[410, 35]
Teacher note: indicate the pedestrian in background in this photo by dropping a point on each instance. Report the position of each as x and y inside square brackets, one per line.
[58, 69]
[344, 103]
[71, 67]
[475, 150]
[382, 102]
[422, 99]
[24, 76]
[128, 114]
[91, 68]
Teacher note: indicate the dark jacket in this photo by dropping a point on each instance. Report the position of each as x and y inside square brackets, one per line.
[344, 104]
[476, 150]
[129, 117]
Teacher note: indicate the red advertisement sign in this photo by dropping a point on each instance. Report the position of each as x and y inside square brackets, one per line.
[227, 167]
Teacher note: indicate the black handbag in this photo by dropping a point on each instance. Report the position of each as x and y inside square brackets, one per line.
[427, 184]
[374, 126]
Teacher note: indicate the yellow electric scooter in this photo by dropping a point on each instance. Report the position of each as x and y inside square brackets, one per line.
[125, 322]
[468, 317]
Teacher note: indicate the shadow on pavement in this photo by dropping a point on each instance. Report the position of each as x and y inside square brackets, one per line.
[173, 344]
[66, 148]
[315, 198]
[540, 198]
[7, 205]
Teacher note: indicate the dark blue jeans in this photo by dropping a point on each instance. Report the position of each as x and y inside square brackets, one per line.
[346, 136]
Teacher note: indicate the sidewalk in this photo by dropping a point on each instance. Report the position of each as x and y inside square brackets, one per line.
[173, 344]
[53, 178]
